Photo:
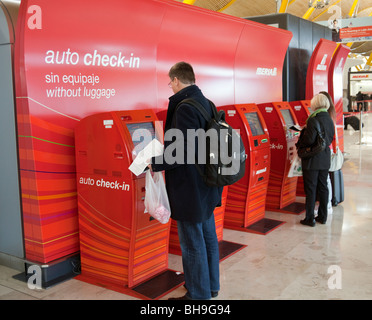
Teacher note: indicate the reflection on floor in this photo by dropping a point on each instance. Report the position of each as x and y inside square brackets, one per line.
[331, 261]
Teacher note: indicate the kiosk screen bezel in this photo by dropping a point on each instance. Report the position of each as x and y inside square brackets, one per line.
[287, 115]
[254, 123]
[149, 125]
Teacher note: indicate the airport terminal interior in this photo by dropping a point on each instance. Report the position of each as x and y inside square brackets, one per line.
[291, 262]
[73, 224]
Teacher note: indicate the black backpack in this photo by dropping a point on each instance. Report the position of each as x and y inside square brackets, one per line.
[220, 169]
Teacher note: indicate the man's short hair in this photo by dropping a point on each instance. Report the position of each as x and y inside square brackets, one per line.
[183, 71]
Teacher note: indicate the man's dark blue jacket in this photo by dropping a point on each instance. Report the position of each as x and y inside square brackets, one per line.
[190, 198]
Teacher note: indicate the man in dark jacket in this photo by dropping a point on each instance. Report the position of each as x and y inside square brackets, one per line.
[192, 201]
[315, 169]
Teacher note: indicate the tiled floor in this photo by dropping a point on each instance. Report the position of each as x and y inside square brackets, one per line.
[292, 262]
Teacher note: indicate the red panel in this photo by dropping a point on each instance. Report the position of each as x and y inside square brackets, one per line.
[317, 71]
[335, 87]
[258, 64]
[123, 50]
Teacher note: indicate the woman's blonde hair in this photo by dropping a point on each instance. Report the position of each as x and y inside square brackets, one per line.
[320, 101]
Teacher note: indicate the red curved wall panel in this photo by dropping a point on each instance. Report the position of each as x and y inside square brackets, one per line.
[73, 60]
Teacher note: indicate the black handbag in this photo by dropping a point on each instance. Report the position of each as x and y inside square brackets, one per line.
[317, 147]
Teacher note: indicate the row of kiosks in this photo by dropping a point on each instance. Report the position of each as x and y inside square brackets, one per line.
[119, 243]
[122, 245]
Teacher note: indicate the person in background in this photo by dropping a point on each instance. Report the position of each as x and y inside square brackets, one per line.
[360, 101]
[192, 201]
[315, 169]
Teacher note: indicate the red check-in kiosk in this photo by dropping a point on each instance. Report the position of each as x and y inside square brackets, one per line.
[302, 111]
[245, 202]
[281, 193]
[119, 243]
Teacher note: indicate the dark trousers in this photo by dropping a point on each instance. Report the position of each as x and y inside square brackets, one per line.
[200, 257]
[315, 185]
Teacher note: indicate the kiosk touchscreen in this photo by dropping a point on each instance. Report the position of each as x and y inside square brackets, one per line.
[302, 111]
[119, 243]
[281, 194]
[245, 202]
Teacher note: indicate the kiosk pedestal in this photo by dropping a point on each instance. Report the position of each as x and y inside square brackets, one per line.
[119, 243]
[245, 204]
[302, 111]
[281, 193]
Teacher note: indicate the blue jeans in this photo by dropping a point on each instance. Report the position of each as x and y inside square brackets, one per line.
[200, 257]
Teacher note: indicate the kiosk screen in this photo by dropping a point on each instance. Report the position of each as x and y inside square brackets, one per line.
[141, 132]
[287, 117]
[254, 123]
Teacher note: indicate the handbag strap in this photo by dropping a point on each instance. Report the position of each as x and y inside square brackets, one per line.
[336, 133]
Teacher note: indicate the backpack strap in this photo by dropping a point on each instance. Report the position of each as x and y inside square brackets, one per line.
[198, 106]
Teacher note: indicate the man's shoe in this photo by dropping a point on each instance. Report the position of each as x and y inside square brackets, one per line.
[310, 223]
[317, 219]
[214, 294]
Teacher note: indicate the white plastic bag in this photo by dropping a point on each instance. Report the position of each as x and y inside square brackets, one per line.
[295, 169]
[156, 198]
[337, 160]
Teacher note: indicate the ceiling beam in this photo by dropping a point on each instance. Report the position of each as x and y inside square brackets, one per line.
[369, 61]
[226, 5]
[310, 10]
[353, 9]
[283, 6]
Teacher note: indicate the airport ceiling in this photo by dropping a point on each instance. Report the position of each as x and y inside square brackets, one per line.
[300, 8]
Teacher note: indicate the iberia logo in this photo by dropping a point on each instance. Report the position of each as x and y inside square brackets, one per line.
[322, 65]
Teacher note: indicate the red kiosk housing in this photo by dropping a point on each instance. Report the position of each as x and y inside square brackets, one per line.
[119, 243]
[335, 89]
[281, 193]
[245, 202]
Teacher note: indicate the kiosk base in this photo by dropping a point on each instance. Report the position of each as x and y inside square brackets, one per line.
[154, 288]
[227, 249]
[293, 208]
[263, 226]
[160, 285]
[52, 273]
